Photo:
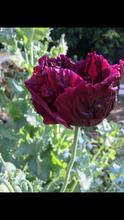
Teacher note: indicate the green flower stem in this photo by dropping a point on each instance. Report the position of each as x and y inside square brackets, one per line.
[30, 186]
[26, 56]
[7, 184]
[31, 50]
[74, 148]
[110, 188]
[74, 185]
[38, 165]
[2, 161]
[96, 155]
[56, 132]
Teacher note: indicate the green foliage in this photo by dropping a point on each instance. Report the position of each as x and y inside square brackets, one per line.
[60, 49]
[3, 98]
[41, 152]
[12, 178]
[6, 36]
[85, 39]
[13, 110]
[30, 35]
[17, 57]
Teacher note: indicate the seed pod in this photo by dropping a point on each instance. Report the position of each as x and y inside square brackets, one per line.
[24, 187]
[16, 187]
[8, 167]
[3, 188]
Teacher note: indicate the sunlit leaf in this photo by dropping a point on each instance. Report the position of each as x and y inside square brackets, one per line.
[58, 179]
[6, 37]
[32, 118]
[57, 161]
[17, 56]
[13, 110]
[7, 133]
[3, 97]
[22, 149]
[46, 166]
[32, 166]
[119, 179]
[34, 148]
[31, 35]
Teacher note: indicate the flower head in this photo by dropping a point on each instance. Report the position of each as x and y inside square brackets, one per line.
[79, 94]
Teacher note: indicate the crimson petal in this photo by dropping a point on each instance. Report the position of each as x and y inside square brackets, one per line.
[46, 86]
[86, 105]
[79, 94]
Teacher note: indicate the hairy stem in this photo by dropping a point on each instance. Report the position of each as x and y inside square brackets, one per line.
[32, 60]
[74, 185]
[26, 56]
[2, 161]
[110, 188]
[74, 148]
[38, 165]
[56, 132]
[96, 155]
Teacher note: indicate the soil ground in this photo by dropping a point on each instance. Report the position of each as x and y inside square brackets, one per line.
[117, 114]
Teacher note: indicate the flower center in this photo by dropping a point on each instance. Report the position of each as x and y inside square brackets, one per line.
[87, 78]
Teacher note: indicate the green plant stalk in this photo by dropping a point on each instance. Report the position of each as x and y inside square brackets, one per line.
[110, 188]
[26, 56]
[56, 132]
[31, 50]
[7, 184]
[96, 155]
[74, 185]
[38, 165]
[30, 186]
[74, 148]
[2, 161]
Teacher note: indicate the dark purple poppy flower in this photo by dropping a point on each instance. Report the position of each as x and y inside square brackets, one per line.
[79, 94]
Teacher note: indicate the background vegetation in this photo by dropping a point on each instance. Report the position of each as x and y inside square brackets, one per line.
[81, 40]
[38, 154]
